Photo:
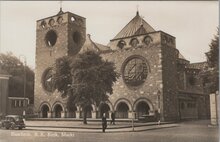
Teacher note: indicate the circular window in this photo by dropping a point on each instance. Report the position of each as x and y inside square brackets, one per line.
[60, 20]
[121, 44]
[51, 38]
[43, 24]
[51, 22]
[134, 42]
[147, 40]
[76, 37]
[134, 70]
[48, 80]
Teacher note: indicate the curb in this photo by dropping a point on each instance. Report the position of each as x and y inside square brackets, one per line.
[100, 130]
[119, 127]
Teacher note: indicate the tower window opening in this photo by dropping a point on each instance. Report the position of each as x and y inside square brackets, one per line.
[60, 20]
[76, 37]
[51, 38]
[134, 42]
[147, 40]
[43, 24]
[121, 44]
[51, 22]
[72, 19]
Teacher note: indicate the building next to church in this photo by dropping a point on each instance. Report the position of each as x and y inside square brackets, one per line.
[10, 105]
[155, 77]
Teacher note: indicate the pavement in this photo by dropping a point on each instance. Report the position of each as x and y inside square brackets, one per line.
[95, 126]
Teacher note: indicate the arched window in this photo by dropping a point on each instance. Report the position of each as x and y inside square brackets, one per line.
[121, 44]
[134, 42]
[147, 40]
[122, 110]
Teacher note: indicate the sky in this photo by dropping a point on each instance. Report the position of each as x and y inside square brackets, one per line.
[193, 23]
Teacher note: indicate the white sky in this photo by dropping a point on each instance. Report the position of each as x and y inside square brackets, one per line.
[192, 23]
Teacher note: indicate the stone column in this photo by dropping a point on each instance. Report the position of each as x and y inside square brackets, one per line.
[77, 114]
[109, 114]
[130, 114]
[40, 115]
[94, 114]
[63, 114]
[49, 114]
[213, 108]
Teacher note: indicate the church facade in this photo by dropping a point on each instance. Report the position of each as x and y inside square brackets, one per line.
[155, 77]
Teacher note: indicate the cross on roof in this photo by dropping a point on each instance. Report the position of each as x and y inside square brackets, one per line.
[61, 4]
[137, 9]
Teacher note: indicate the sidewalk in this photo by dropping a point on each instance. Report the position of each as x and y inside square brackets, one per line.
[77, 126]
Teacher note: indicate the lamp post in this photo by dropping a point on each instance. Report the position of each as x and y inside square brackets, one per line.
[158, 99]
[24, 69]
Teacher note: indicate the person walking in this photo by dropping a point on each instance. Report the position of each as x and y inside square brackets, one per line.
[113, 118]
[104, 122]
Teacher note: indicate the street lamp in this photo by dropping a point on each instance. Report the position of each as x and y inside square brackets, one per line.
[158, 99]
[24, 58]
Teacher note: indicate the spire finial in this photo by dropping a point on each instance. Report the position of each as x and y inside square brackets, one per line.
[137, 9]
[61, 5]
[61, 11]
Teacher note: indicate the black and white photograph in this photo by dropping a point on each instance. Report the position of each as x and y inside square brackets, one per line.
[109, 71]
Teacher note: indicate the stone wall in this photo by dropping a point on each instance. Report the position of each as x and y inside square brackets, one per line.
[169, 75]
[148, 90]
[3, 94]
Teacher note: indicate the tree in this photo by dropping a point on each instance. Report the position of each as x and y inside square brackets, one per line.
[13, 66]
[86, 79]
[212, 74]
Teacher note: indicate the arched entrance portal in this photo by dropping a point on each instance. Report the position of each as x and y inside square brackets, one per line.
[142, 109]
[104, 108]
[44, 111]
[88, 109]
[72, 112]
[57, 110]
[122, 110]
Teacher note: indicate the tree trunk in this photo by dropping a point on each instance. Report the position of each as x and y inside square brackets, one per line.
[85, 116]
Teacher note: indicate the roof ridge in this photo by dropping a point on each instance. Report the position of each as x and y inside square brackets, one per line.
[132, 26]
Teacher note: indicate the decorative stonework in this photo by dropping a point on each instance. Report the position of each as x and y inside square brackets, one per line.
[134, 70]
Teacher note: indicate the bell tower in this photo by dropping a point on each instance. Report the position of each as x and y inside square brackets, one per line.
[60, 35]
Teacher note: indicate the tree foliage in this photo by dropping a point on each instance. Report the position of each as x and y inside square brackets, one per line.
[212, 74]
[213, 54]
[14, 67]
[86, 79]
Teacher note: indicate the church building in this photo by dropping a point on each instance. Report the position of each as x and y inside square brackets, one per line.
[155, 77]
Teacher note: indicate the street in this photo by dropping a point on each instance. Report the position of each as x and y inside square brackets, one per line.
[185, 132]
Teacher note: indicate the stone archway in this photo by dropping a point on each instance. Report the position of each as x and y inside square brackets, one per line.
[142, 108]
[44, 111]
[58, 111]
[104, 108]
[89, 110]
[72, 112]
[122, 110]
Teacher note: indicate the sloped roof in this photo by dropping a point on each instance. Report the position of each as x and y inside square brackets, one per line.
[199, 65]
[133, 26]
[181, 56]
[89, 45]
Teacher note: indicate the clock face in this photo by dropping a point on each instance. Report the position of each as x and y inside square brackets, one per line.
[135, 71]
[47, 80]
